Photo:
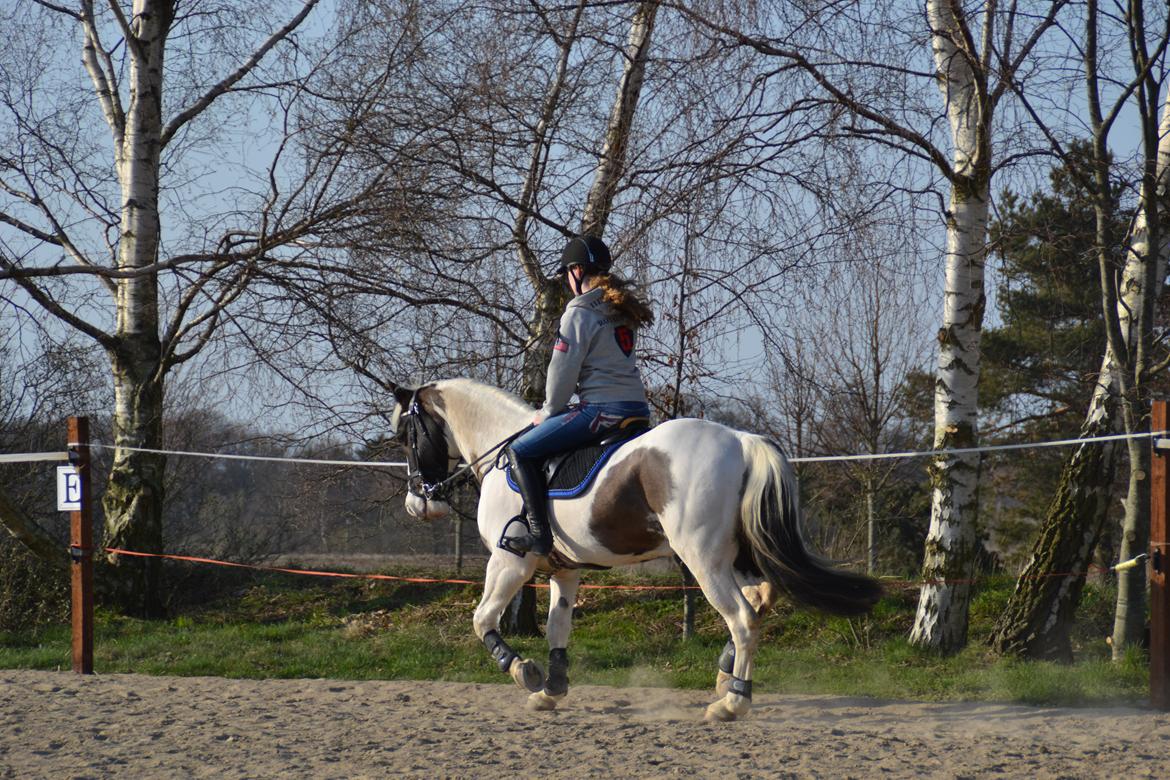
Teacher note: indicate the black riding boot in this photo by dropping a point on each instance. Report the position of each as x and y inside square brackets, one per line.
[529, 477]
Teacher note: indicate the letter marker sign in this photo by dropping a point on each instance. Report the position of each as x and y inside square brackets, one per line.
[68, 489]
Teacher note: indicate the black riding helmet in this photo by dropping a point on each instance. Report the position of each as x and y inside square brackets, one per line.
[589, 252]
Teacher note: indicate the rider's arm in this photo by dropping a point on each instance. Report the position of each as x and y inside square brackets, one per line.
[568, 354]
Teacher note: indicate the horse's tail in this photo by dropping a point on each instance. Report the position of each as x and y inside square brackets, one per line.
[771, 522]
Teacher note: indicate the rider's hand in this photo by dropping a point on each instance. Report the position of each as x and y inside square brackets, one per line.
[538, 418]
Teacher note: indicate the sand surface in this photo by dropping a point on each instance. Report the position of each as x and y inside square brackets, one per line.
[58, 725]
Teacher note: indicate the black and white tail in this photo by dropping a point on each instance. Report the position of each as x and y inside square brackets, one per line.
[771, 522]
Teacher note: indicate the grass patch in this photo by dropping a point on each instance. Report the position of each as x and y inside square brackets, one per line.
[286, 627]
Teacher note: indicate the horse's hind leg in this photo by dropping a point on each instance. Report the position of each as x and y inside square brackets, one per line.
[506, 574]
[724, 592]
[761, 596]
[561, 597]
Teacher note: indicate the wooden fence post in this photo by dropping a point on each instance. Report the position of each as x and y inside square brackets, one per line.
[81, 550]
[1159, 561]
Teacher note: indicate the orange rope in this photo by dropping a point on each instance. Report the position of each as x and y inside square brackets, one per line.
[433, 581]
[384, 577]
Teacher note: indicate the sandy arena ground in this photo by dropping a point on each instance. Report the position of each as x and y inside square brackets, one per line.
[58, 725]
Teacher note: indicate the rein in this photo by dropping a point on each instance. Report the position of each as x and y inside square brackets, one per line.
[439, 489]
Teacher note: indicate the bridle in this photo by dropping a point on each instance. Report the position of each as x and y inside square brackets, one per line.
[427, 460]
[428, 463]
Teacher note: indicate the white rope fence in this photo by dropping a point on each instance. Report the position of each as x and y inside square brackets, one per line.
[272, 458]
[58, 456]
[974, 450]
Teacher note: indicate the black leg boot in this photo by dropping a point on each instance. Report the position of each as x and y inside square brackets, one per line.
[529, 477]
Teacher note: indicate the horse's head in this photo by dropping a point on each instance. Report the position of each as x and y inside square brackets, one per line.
[430, 450]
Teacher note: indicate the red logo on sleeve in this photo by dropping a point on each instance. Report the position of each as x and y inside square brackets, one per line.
[625, 339]
[561, 344]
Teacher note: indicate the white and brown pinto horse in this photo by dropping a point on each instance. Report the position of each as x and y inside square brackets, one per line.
[724, 501]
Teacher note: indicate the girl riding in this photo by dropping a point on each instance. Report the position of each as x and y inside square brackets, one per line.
[594, 357]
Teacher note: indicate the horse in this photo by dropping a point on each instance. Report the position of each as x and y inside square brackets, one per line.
[724, 501]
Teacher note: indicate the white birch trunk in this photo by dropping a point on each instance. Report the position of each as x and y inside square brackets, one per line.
[941, 620]
[132, 501]
[550, 297]
[1129, 614]
[612, 160]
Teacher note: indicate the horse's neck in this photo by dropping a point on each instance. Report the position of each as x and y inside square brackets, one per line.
[481, 417]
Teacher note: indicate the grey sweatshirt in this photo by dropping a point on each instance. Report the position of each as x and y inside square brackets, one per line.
[592, 356]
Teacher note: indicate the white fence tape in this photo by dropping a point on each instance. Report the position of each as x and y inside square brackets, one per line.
[30, 457]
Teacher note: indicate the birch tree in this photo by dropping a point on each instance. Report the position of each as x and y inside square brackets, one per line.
[1036, 620]
[977, 51]
[964, 72]
[101, 233]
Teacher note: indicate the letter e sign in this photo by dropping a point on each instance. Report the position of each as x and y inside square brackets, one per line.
[68, 489]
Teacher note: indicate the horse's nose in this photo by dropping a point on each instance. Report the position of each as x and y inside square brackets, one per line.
[415, 506]
[421, 509]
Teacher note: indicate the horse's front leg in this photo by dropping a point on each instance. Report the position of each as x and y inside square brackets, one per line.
[562, 596]
[506, 574]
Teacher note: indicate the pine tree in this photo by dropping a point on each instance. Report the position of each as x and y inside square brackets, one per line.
[1040, 362]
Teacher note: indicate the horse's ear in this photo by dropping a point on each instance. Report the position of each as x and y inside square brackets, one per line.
[403, 394]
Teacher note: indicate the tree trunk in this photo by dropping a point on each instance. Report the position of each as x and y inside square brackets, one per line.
[951, 543]
[26, 531]
[550, 301]
[1129, 617]
[612, 160]
[459, 545]
[1038, 615]
[870, 529]
[550, 296]
[1035, 623]
[133, 499]
[1146, 264]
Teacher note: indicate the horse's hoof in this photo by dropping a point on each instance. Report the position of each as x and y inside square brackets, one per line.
[718, 713]
[723, 710]
[722, 683]
[542, 702]
[527, 674]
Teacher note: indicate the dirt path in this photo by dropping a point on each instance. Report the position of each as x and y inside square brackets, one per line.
[57, 725]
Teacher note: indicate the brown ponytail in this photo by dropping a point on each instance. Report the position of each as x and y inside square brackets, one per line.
[621, 295]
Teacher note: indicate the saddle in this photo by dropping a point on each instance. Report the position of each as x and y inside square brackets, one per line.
[569, 474]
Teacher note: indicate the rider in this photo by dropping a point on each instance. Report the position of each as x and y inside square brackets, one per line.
[593, 356]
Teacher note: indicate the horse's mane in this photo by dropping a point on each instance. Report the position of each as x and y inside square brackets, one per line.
[483, 396]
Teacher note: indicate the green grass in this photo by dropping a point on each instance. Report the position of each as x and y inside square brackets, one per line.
[287, 627]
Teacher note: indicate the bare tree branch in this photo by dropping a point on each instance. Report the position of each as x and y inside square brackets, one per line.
[200, 105]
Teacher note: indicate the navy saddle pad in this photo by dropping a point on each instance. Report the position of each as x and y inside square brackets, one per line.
[570, 474]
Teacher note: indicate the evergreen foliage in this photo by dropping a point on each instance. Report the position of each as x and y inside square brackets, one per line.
[1040, 363]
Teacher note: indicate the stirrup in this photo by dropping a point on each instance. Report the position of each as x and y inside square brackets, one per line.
[521, 544]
